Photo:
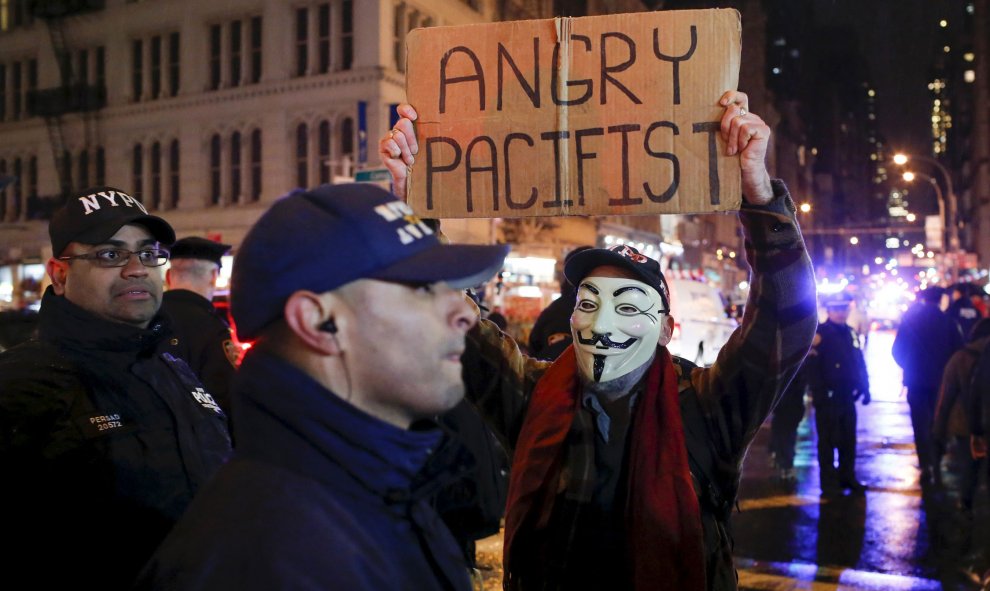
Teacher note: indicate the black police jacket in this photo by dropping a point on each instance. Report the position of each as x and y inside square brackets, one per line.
[836, 362]
[103, 444]
[201, 338]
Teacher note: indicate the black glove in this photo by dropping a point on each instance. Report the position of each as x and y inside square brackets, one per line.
[863, 396]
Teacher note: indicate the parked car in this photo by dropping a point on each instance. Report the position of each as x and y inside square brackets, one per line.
[701, 325]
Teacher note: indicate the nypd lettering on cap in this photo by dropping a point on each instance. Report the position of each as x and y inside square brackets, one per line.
[413, 230]
[95, 201]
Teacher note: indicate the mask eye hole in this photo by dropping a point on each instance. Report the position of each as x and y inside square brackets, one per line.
[587, 306]
[627, 310]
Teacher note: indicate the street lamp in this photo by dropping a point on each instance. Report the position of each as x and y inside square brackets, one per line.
[909, 176]
[901, 159]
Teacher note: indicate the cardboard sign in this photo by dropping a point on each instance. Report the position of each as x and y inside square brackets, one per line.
[612, 115]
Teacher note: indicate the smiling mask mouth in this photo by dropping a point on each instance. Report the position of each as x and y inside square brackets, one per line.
[605, 342]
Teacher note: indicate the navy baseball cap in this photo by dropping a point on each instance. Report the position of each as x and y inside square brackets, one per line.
[321, 239]
[578, 267]
[94, 215]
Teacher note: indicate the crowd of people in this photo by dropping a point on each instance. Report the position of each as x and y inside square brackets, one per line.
[364, 441]
[334, 455]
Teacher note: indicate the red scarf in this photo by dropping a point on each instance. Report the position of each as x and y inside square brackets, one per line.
[663, 520]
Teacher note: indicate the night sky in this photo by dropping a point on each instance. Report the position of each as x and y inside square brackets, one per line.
[898, 38]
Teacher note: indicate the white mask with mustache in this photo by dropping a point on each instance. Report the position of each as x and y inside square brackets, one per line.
[617, 324]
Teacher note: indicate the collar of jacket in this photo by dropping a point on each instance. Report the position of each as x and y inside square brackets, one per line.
[67, 324]
[284, 417]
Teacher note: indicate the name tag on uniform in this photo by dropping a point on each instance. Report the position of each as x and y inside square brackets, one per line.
[102, 424]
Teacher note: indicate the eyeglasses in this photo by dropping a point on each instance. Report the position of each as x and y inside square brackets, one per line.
[119, 257]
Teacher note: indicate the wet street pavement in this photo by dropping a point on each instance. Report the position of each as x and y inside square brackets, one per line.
[893, 538]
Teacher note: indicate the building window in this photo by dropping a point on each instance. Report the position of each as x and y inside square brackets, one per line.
[302, 41]
[15, 204]
[215, 195]
[235, 53]
[82, 66]
[235, 166]
[32, 191]
[215, 63]
[101, 167]
[399, 37]
[323, 46]
[101, 67]
[346, 146]
[84, 169]
[65, 168]
[137, 171]
[173, 174]
[3, 92]
[256, 165]
[346, 35]
[156, 67]
[137, 75]
[173, 64]
[323, 144]
[302, 162]
[255, 49]
[156, 175]
[3, 192]
[17, 87]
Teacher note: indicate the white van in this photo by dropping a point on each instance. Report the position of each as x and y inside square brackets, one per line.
[701, 325]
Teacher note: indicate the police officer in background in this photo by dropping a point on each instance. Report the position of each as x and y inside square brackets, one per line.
[837, 378]
[201, 336]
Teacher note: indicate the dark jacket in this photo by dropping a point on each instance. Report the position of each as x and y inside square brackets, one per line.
[836, 363]
[954, 399]
[551, 332]
[924, 342]
[965, 314]
[201, 337]
[319, 495]
[722, 407]
[103, 444]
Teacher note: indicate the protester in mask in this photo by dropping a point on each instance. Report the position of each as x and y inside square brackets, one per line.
[626, 460]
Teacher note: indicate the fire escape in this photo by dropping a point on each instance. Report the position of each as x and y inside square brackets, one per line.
[71, 96]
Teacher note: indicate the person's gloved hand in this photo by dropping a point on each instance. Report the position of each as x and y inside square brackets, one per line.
[863, 396]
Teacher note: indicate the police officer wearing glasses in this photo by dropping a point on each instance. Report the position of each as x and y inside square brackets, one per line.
[103, 442]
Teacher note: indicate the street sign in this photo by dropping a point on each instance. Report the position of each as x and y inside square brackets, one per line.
[378, 176]
[372, 175]
[933, 232]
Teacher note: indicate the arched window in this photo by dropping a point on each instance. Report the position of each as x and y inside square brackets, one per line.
[324, 152]
[235, 166]
[215, 196]
[256, 165]
[346, 146]
[137, 171]
[101, 167]
[173, 174]
[302, 162]
[83, 169]
[156, 175]
[3, 192]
